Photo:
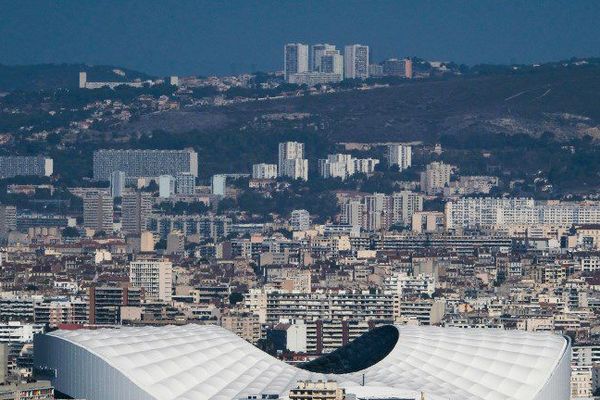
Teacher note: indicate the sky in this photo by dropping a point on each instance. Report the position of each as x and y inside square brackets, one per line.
[201, 37]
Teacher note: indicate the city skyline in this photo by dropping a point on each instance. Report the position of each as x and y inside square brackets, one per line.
[166, 40]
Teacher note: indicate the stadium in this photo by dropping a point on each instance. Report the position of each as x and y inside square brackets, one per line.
[193, 362]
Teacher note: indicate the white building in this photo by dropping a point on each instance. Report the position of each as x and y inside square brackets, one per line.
[356, 62]
[365, 165]
[155, 277]
[505, 212]
[166, 186]
[337, 166]
[314, 78]
[442, 363]
[316, 52]
[292, 163]
[295, 59]
[344, 165]
[264, 171]
[332, 62]
[300, 220]
[117, 183]
[219, 185]
[400, 155]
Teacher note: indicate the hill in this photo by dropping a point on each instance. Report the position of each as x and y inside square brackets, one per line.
[562, 100]
[55, 76]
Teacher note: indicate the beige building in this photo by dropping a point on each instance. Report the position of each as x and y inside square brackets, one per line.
[435, 177]
[245, 325]
[155, 277]
[428, 222]
[309, 390]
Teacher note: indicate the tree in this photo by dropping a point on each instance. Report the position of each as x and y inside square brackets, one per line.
[70, 231]
[235, 297]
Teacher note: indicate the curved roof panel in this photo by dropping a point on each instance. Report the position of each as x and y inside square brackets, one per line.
[208, 362]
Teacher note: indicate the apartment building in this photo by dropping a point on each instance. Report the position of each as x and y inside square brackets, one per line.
[144, 163]
[154, 277]
[11, 166]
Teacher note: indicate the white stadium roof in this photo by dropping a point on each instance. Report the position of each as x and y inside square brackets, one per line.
[194, 362]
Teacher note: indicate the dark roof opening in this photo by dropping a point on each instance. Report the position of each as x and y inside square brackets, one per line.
[357, 355]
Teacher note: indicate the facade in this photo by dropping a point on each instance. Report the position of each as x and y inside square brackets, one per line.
[39, 390]
[166, 186]
[204, 361]
[332, 62]
[356, 62]
[117, 183]
[400, 155]
[135, 210]
[308, 390]
[317, 51]
[365, 165]
[381, 211]
[219, 185]
[506, 212]
[264, 171]
[344, 165]
[399, 68]
[314, 78]
[98, 211]
[292, 163]
[435, 178]
[11, 166]
[8, 220]
[300, 220]
[185, 184]
[205, 226]
[144, 163]
[105, 303]
[295, 59]
[154, 277]
[247, 326]
[428, 222]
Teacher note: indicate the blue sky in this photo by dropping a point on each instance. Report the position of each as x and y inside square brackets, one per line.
[219, 37]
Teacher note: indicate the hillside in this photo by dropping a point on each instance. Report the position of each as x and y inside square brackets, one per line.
[563, 101]
[54, 76]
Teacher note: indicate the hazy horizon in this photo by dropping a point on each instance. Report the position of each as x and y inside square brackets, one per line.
[206, 38]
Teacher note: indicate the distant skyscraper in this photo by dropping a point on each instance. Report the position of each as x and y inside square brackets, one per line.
[316, 52]
[136, 207]
[98, 211]
[400, 155]
[185, 184]
[144, 163]
[219, 185]
[295, 59]
[117, 183]
[166, 186]
[356, 61]
[291, 161]
[11, 166]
